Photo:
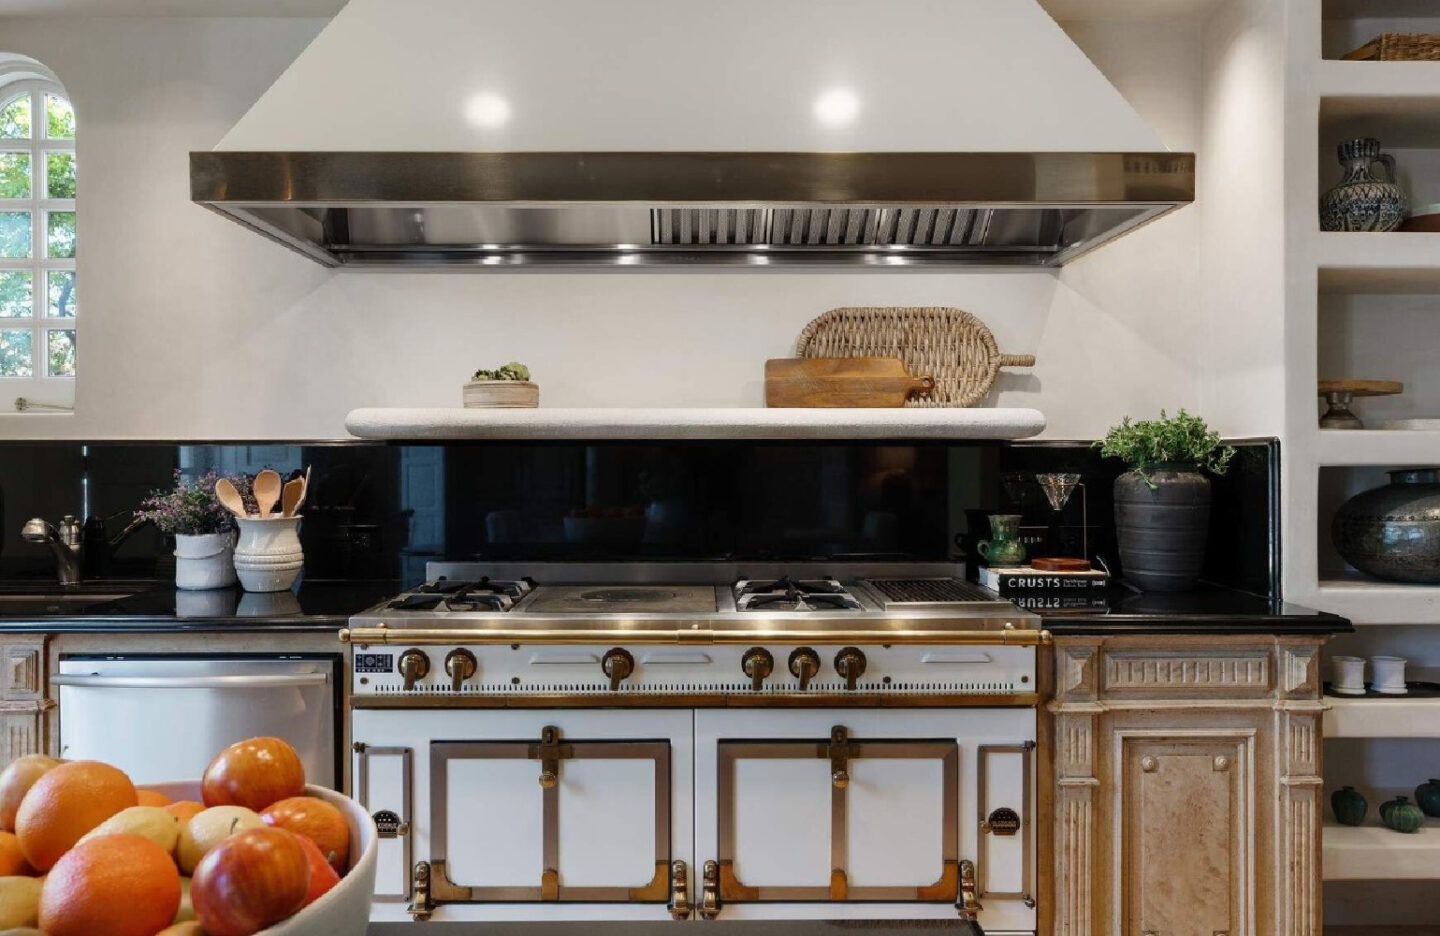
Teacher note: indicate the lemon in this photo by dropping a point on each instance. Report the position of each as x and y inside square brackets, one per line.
[19, 901]
[149, 822]
[209, 828]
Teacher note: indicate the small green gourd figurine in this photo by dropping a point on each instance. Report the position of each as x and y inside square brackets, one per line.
[1349, 806]
[1427, 795]
[1402, 815]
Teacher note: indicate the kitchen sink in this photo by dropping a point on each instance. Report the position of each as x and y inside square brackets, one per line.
[17, 604]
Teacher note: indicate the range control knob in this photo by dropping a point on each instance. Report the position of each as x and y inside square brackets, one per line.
[804, 664]
[617, 664]
[459, 666]
[757, 664]
[850, 663]
[414, 665]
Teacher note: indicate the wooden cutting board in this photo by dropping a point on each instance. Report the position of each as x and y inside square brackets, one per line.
[831, 382]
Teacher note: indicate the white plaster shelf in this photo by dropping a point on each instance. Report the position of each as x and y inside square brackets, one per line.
[1354, 263]
[689, 423]
[1372, 852]
[1412, 85]
[1368, 601]
[1400, 717]
[1389, 448]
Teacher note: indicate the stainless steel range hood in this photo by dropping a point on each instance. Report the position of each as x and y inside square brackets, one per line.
[561, 133]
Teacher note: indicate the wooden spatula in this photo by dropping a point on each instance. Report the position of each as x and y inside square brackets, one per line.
[230, 498]
[267, 491]
[290, 496]
[830, 382]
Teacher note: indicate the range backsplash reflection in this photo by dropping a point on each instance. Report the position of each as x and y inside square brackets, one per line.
[379, 512]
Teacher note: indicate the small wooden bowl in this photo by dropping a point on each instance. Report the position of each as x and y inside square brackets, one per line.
[479, 394]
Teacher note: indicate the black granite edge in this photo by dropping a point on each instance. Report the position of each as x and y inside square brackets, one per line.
[1208, 610]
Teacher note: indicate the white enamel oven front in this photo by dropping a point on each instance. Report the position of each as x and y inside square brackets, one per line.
[868, 814]
[526, 814]
[770, 814]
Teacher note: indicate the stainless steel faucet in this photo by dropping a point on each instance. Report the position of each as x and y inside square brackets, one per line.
[64, 542]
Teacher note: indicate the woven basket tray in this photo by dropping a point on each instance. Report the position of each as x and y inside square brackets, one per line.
[950, 344]
[1399, 47]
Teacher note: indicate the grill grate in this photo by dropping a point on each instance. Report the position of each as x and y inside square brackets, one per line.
[929, 591]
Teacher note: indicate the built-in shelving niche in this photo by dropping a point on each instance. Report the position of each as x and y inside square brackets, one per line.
[1349, 24]
[1406, 124]
[1369, 599]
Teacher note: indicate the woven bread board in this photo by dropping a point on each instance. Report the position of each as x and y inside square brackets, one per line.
[952, 345]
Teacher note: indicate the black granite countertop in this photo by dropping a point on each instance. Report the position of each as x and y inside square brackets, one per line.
[327, 606]
[1207, 610]
[151, 607]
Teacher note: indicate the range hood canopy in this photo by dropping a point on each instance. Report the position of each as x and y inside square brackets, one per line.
[662, 132]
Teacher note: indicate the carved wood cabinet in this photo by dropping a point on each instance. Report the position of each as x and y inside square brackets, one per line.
[24, 704]
[1185, 786]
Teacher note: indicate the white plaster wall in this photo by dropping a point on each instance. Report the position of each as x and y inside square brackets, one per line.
[194, 328]
[1241, 186]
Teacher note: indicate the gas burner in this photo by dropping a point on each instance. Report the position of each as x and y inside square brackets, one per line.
[444, 594]
[787, 594]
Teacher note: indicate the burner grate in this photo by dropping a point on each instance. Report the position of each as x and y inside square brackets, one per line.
[929, 591]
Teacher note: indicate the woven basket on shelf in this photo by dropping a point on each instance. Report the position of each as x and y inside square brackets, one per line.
[1399, 47]
[950, 344]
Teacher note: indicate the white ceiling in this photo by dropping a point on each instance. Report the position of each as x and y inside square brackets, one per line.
[170, 7]
[1060, 9]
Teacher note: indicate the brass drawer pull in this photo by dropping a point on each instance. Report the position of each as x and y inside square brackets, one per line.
[710, 891]
[679, 891]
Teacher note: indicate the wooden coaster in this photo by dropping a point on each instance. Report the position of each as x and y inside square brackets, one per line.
[1060, 565]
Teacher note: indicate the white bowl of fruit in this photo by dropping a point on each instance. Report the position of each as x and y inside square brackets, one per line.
[248, 849]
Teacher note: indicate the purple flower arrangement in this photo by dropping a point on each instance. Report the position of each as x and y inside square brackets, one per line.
[190, 508]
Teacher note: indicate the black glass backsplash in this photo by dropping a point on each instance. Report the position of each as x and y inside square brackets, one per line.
[378, 511]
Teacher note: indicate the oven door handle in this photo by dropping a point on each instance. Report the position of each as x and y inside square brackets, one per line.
[258, 681]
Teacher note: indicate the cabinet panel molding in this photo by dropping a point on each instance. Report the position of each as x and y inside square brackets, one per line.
[1184, 802]
[1168, 670]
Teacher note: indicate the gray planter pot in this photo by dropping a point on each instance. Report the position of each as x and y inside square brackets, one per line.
[1162, 532]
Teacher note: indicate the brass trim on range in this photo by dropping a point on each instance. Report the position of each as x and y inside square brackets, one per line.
[551, 752]
[840, 750]
[690, 700]
[364, 753]
[1026, 750]
[697, 636]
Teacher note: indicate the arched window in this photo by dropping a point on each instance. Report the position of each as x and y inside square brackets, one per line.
[38, 296]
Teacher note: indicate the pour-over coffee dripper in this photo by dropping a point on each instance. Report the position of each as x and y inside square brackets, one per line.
[1058, 486]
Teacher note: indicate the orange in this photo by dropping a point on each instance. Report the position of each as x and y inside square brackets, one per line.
[16, 781]
[12, 859]
[64, 804]
[185, 809]
[111, 885]
[152, 798]
[318, 821]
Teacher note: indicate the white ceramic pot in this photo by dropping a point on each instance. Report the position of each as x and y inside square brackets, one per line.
[345, 909]
[204, 561]
[1349, 678]
[1389, 672]
[268, 557]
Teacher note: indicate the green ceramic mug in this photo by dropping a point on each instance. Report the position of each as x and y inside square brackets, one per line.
[1004, 547]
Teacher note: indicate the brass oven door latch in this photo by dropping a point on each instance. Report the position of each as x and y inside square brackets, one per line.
[839, 750]
[680, 890]
[710, 891]
[968, 904]
[550, 752]
[420, 905]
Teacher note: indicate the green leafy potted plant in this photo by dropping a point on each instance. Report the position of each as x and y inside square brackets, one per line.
[1162, 504]
[507, 385]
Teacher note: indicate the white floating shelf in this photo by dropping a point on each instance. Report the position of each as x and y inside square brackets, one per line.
[1389, 448]
[1372, 852]
[1383, 281]
[1398, 102]
[900, 424]
[1400, 717]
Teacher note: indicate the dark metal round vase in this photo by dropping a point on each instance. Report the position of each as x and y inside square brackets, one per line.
[1162, 531]
[1393, 532]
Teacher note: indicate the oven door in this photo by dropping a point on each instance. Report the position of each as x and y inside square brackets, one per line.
[866, 814]
[531, 815]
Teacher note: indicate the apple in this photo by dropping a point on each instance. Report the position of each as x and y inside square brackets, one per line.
[317, 820]
[252, 880]
[322, 875]
[254, 773]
